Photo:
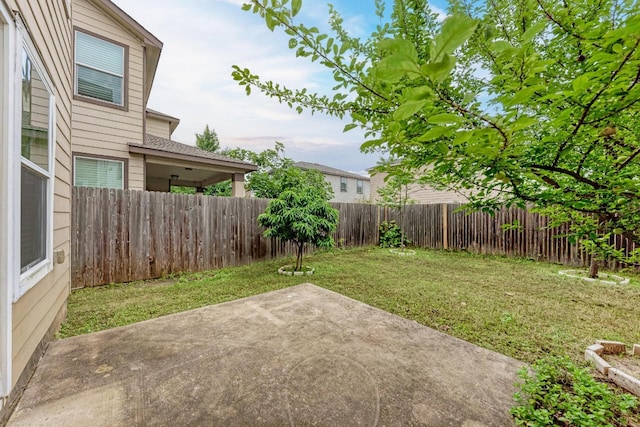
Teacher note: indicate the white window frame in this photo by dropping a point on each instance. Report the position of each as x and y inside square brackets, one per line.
[80, 156]
[360, 186]
[344, 180]
[8, 263]
[31, 277]
[123, 104]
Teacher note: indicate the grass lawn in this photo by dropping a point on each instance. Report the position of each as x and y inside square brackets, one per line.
[517, 307]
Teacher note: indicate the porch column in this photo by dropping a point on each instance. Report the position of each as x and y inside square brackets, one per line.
[237, 185]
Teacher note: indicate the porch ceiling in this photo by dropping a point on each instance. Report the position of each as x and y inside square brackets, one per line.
[189, 174]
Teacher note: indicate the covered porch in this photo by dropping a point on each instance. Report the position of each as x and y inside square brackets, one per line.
[169, 163]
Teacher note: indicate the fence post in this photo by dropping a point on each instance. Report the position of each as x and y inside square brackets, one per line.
[445, 227]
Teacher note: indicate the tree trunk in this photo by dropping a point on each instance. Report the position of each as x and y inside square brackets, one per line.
[299, 257]
[593, 269]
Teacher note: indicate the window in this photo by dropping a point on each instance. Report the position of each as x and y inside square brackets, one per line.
[359, 186]
[343, 184]
[100, 69]
[36, 124]
[98, 172]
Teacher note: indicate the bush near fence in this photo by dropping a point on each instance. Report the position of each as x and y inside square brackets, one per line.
[127, 235]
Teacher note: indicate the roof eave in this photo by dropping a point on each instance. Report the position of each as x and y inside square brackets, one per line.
[173, 121]
[141, 149]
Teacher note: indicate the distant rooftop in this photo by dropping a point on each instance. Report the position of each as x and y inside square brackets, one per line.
[328, 170]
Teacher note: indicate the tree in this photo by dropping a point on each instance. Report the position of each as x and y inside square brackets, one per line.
[275, 174]
[208, 140]
[532, 103]
[395, 192]
[301, 216]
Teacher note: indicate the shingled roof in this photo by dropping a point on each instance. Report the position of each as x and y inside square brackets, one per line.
[328, 170]
[154, 145]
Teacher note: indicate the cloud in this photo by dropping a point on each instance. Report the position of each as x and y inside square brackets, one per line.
[203, 39]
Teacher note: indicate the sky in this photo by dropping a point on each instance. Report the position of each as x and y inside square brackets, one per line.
[204, 38]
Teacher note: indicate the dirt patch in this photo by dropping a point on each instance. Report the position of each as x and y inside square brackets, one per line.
[626, 363]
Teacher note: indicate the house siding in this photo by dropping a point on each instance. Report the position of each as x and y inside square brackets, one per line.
[422, 194]
[351, 195]
[158, 127]
[36, 312]
[103, 130]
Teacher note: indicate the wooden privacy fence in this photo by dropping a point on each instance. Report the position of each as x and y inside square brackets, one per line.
[126, 235]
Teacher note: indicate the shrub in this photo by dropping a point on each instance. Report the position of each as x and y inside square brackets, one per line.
[391, 236]
[558, 393]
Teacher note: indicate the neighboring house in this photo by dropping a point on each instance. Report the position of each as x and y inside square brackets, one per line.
[347, 187]
[36, 94]
[423, 194]
[117, 141]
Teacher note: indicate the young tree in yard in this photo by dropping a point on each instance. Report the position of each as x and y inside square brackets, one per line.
[301, 216]
[208, 140]
[395, 193]
[532, 103]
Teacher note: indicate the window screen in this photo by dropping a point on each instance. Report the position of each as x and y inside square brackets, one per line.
[343, 184]
[359, 186]
[99, 69]
[100, 173]
[33, 219]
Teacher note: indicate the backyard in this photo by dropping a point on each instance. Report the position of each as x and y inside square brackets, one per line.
[517, 307]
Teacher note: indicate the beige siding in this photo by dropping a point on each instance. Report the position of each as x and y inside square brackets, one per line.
[423, 194]
[103, 130]
[159, 127]
[36, 311]
[351, 195]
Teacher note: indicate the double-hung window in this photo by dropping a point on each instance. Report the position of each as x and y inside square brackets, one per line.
[359, 186]
[89, 171]
[35, 107]
[343, 184]
[100, 69]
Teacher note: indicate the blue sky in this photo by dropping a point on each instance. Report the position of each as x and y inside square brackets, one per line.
[204, 38]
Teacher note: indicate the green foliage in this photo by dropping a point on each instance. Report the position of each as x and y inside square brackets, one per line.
[395, 192]
[559, 393]
[182, 190]
[391, 236]
[301, 216]
[529, 105]
[293, 178]
[208, 140]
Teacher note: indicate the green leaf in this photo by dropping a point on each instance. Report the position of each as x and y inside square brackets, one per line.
[462, 137]
[456, 29]
[523, 122]
[444, 118]
[395, 67]
[439, 71]
[408, 109]
[350, 126]
[581, 83]
[523, 96]
[534, 30]
[295, 7]
[401, 46]
[433, 133]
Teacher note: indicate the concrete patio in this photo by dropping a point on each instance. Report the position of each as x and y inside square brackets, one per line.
[301, 356]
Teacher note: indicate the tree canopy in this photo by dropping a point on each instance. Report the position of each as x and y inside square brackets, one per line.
[301, 216]
[208, 140]
[528, 102]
